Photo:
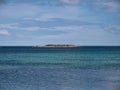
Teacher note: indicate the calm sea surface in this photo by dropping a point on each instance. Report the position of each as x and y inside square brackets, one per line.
[80, 68]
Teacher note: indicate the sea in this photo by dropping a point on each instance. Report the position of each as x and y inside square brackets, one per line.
[75, 68]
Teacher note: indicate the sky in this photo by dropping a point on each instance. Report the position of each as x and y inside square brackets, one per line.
[41, 22]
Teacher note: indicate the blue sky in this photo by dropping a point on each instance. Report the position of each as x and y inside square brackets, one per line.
[39, 22]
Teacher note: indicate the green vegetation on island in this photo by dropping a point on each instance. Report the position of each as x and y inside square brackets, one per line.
[58, 45]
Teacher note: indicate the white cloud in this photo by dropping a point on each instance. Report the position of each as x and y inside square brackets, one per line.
[111, 6]
[15, 26]
[65, 13]
[28, 28]
[42, 18]
[43, 13]
[19, 10]
[38, 13]
[68, 28]
[4, 32]
[85, 35]
[71, 13]
[8, 25]
[73, 2]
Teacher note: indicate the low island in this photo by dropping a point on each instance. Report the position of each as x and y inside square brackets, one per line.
[58, 45]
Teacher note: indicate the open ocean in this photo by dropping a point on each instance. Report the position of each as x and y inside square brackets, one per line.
[78, 68]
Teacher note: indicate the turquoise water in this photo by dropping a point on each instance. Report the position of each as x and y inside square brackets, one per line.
[60, 57]
[80, 68]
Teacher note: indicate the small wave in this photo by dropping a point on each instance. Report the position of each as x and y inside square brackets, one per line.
[53, 64]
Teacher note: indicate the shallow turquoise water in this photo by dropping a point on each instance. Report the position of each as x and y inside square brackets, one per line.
[60, 57]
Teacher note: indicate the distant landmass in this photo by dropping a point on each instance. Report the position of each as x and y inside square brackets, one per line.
[58, 45]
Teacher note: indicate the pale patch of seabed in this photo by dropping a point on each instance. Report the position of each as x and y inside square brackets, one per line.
[37, 78]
